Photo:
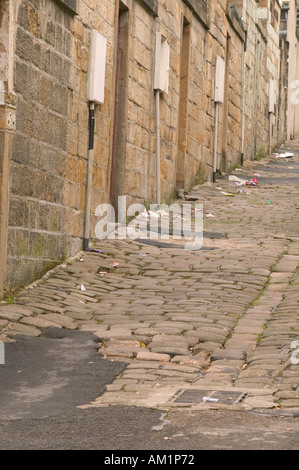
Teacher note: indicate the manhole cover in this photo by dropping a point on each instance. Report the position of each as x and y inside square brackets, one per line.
[223, 397]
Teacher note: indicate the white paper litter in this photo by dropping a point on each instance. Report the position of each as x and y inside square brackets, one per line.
[235, 178]
[285, 155]
[209, 399]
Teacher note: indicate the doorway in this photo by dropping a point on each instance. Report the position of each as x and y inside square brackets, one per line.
[117, 185]
[183, 106]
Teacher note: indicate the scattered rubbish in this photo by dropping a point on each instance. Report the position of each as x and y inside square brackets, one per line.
[94, 251]
[115, 264]
[269, 202]
[80, 259]
[178, 216]
[144, 214]
[102, 273]
[285, 155]
[241, 191]
[227, 194]
[209, 399]
[236, 179]
[154, 214]
[162, 213]
[210, 215]
[191, 198]
[252, 182]
[256, 174]
[81, 287]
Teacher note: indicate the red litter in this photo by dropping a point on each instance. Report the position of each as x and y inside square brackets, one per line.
[252, 182]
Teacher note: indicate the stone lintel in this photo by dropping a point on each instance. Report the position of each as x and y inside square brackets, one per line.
[260, 26]
[199, 9]
[151, 6]
[235, 21]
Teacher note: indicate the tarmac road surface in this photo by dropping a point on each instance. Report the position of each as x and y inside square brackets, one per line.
[45, 380]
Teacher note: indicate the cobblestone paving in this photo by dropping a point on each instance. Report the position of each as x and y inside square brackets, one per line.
[223, 318]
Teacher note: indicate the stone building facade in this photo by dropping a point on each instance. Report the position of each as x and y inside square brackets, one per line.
[289, 36]
[44, 110]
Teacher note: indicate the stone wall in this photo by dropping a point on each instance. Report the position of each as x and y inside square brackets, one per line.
[139, 141]
[284, 112]
[7, 124]
[289, 40]
[49, 149]
[263, 62]
[44, 52]
[256, 133]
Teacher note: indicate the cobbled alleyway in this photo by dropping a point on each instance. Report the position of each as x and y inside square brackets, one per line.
[213, 328]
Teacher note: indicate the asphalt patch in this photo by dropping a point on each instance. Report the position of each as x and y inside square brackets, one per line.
[53, 373]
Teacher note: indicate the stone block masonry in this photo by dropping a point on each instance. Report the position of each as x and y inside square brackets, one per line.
[38, 204]
[47, 164]
[7, 127]
[44, 118]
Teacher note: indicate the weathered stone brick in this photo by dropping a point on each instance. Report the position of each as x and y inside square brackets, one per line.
[31, 212]
[16, 212]
[21, 78]
[24, 46]
[59, 99]
[53, 189]
[21, 181]
[38, 245]
[20, 153]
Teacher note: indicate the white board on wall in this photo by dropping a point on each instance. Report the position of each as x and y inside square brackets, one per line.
[161, 79]
[96, 67]
[219, 80]
[271, 96]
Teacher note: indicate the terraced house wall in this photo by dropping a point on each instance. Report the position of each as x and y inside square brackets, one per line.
[7, 124]
[255, 82]
[47, 144]
[49, 148]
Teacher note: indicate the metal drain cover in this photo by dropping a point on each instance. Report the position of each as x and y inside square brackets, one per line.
[223, 397]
